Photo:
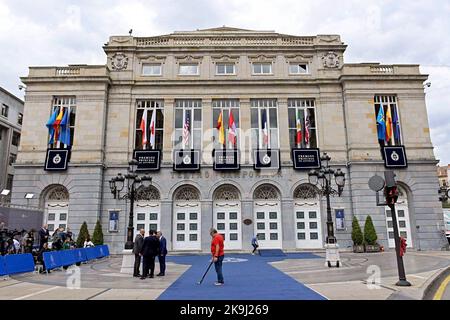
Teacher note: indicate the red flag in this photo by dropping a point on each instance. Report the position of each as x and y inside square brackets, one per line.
[144, 129]
[232, 130]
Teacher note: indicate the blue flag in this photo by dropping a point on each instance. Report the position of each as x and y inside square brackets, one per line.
[396, 125]
[64, 137]
[381, 123]
[49, 125]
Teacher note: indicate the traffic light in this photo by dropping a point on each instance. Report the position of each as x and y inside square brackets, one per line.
[390, 189]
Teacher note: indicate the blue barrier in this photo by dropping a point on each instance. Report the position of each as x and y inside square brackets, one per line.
[91, 253]
[52, 260]
[106, 250]
[19, 263]
[67, 257]
[2, 266]
[80, 255]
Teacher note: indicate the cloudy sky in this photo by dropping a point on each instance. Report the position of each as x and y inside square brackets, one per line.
[61, 32]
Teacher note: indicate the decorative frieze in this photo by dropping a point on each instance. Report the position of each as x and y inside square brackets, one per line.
[119, 61]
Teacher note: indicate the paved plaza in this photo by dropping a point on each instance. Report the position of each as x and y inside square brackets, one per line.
[296, 276]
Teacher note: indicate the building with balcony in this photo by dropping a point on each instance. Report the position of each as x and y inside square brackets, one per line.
[283, 92]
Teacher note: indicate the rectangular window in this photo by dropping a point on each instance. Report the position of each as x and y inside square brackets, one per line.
[298, 68]
[264, 123]
[66, 104]
[262, 68]
[20, 118]
[151, 70]
[388, 120]
[228, 108]
[302, 123]
[188, 69]
[9, 182]
[225, 68]
[5, 110]
[188, 124]
[12, 158]
[150, 106]
[15, 139]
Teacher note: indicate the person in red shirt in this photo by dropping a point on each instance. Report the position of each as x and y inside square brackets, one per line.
[217, 254]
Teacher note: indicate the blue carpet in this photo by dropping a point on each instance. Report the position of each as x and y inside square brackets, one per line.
[271, 253]
[247, 277]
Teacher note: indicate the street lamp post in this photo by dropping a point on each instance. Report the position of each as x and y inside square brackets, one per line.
[324, 178]
[133, 181]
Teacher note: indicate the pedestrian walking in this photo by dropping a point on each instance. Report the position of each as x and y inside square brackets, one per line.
[149, 251]
[217, 254]
[255, 244]
[138, 242]
[162, 254]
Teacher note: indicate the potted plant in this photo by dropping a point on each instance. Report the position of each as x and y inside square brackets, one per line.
[97, 237]
[357, 236]
[370, 236]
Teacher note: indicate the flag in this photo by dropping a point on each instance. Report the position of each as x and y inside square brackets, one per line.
[299, 131]
[64, 136]
[57, 123]
[49, 125]
[307, 124]
[232, 134]
[152, 129]
[144, 129]
[186, 129]
[221, 129]
[388, 124]
[396, 125]
[381, 124]
[265, 134]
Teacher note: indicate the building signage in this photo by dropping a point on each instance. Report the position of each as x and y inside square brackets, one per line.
[340, 219]
[226, 159]
[56, 159]
[186, 160]
[148, 160]
[305, 159]
[266, 159]
[395, 157]
[114, 221]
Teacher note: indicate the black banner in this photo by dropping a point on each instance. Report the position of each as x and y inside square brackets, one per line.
[395, 157]
[56, 160]
[148, 160]
[306, 159]
[226, 159]
[186, 160]
[266, 159]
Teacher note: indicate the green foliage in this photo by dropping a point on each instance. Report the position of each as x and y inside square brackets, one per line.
[83, 235]
[357, 235]
[370, 235]
[97, 237]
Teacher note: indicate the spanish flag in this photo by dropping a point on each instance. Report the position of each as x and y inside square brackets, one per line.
[221, 129]
[388, 124]
[299, 131]
[56, 124]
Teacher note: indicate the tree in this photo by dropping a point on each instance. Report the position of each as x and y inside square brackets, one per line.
[84, 234]
[97, 237]
[357, 235]
[370, 235]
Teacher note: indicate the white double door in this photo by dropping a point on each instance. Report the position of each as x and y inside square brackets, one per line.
[227, 221]
[147, 216]
[308, 228]
[187, 226]
[267, 216]
[404, 226]
[57, 216]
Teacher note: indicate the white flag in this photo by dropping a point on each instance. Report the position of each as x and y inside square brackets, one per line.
[144, 129]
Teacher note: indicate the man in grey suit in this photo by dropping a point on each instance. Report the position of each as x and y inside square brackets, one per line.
[138, 242]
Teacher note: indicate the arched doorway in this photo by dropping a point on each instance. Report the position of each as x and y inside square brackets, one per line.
[56, 208]
[147, 209]
[403, 222]
[187, 219]
[267, 216]
[308, 228]
[227, 215]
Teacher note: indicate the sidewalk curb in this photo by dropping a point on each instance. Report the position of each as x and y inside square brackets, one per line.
[434, 282]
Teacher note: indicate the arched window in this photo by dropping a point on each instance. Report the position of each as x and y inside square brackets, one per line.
[187, 193]
[148, 194]
[226, 192]
[266, 192]
[306, 191]
[58, 193]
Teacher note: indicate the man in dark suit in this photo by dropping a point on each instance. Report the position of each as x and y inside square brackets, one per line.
[43, 236]
[162, 254]
[149, 251]
[137, 247]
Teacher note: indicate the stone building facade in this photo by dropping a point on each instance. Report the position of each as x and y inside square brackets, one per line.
[206, 71]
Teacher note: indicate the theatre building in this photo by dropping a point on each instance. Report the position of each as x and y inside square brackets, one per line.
[213, 117]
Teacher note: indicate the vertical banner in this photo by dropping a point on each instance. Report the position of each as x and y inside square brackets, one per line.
[114, 221]
[340, 219]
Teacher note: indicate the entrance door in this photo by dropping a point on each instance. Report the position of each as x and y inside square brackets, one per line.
[186, 226]
[308, 226]
[57, 216]
[267, 216]
[147, 216]
[227, 221]
[404, 227]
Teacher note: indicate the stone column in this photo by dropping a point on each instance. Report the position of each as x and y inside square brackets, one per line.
[288, 223]
[169, 129]
[245, 142]
[247, 231]
[206, 224]
[166, 221]
[283, 131]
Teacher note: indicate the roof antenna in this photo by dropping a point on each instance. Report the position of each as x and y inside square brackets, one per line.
[130, 32]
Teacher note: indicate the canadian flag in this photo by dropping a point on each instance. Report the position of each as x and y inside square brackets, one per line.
[144, 129]
[152, 129]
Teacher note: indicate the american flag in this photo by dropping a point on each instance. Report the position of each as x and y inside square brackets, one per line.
[186, 129]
